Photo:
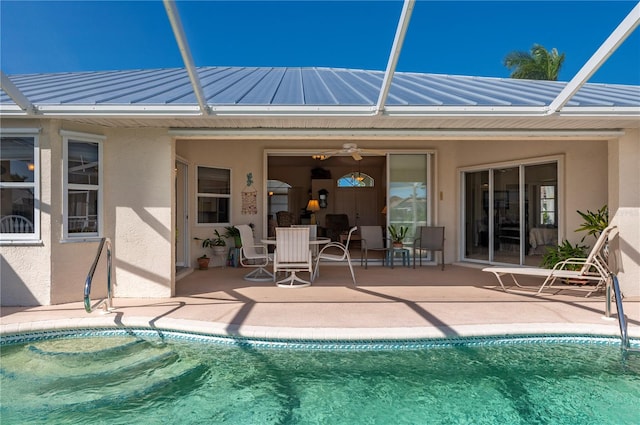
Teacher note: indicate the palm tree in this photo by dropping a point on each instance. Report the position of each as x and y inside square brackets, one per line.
[538, 64]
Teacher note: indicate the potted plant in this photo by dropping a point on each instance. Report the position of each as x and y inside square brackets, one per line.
[203, 262]
[594, 223]
[562, 252]
[218, 243]
[397, 235]
[233, 232]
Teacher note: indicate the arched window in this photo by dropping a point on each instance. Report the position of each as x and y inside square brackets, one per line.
[356, 179]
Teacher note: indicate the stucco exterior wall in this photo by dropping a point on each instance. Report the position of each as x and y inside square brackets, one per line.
[624, 209]
[584, 175]
[140, 167]
[25, 269]
[241, 158]
[137, 214]
[137, 188]
[585, 171]
[139, 197]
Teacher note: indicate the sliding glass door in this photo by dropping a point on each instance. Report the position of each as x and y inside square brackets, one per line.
[510, 213]
[409, 197]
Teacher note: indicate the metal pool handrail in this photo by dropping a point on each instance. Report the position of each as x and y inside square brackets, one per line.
[106, 303]
[622, 318]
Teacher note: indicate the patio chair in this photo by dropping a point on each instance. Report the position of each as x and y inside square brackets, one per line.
[313, 233]
[292, 255]
[372, 240]
[253, 255]
[15, 224]
[335, 224]
[428, 238]
[344, 255]
[593, 270]
[285, 218]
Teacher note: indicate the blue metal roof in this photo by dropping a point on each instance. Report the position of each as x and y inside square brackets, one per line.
[229, 86]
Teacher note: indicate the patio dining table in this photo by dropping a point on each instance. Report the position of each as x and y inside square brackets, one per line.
[319, 240]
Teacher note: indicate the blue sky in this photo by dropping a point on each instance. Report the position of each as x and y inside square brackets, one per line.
[444, 37]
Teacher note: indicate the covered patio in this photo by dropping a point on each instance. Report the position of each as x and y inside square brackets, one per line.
[386, 304]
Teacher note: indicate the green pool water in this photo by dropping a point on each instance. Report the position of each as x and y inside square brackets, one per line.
[132, 380]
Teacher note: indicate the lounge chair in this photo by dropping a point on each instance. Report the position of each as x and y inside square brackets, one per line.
[593, 270]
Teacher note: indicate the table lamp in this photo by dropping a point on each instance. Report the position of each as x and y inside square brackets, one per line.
[313, 206]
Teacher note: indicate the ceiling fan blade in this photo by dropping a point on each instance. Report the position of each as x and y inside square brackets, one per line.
[373, 152]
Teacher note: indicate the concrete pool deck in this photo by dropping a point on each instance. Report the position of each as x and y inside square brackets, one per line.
[402, 303]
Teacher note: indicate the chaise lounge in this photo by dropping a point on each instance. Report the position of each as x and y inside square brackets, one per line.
[594, 269]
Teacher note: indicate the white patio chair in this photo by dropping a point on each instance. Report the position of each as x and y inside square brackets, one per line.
[313, 233]
[428, 238]
[292, 255]
[594, 269]
[344, 255]
[15, 224]
[253, 255]
[372, 240]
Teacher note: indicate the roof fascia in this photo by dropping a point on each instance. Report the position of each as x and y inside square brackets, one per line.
[397, 133]
[615, 39]
[185, 51]
[16, 95]
[401, 31]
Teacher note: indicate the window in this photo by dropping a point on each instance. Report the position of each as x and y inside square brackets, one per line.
[19, 185]
[548, 205]
[356, 179]
[214, 195]
[82, 203]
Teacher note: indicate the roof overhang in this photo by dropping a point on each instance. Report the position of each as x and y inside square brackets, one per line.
[341, 134]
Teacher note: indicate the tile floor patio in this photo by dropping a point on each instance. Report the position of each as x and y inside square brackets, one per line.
[386, 303]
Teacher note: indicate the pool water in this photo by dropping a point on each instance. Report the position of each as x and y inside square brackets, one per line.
[131, 380]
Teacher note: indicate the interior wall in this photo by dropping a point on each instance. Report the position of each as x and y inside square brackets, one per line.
[362, 205]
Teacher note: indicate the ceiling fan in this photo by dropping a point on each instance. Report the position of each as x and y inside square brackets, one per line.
[348, 149]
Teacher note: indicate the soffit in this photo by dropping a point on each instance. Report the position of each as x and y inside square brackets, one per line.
[372, 123]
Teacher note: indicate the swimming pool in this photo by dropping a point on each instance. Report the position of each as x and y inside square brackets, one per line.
[124, 376]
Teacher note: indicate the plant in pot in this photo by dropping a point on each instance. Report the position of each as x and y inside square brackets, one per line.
[217, 243]
[594, 223]
[233, 232]
[397, 235]
[203, 262]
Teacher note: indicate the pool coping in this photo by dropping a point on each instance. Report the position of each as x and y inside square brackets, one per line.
[609, 328]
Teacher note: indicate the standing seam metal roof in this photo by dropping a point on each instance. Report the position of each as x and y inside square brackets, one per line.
[290, 86]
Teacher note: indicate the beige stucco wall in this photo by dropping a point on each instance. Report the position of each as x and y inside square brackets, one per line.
[139, 204]
[139, 197]
[624, 208]
[25, 269]
[137, 208]
[585, 173]
[138, 185]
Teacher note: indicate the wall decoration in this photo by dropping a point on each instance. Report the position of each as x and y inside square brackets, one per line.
[249, 197]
